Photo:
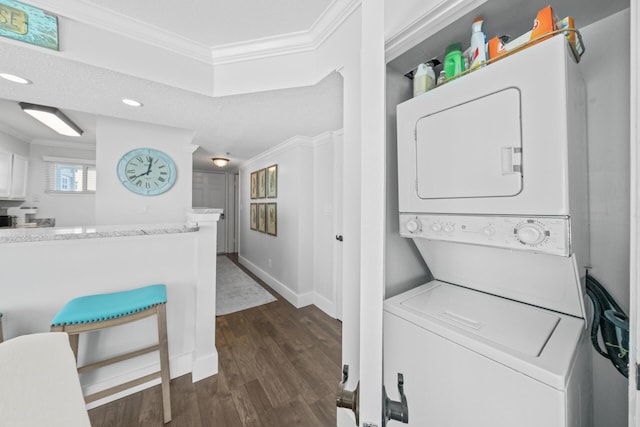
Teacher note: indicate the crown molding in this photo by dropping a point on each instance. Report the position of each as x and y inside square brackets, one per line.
[293, 142]
[428, 24]
[108, 20]
[286, 44]
[126, 26]
[14, 133]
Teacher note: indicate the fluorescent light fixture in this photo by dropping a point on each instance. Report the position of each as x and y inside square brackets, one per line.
[220, 161]
[132, 102]
[15, 79]
[53, 118]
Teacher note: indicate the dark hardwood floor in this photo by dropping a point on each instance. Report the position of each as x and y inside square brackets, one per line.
[278, 366]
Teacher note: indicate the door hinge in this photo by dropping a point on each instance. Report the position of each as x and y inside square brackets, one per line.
[637, 377]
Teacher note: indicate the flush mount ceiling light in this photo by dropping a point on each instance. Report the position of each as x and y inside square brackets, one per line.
[220, 161]
[15, 79]
[53, 118]
[132, 102]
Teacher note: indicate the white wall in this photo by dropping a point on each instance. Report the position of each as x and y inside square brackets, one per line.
[285, 261]
[117, 205]
[605, 68]
[13, 145]
[67, 209]
[404, 267]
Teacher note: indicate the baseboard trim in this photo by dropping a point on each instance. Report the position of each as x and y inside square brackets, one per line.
[325, 304]
[275, 284]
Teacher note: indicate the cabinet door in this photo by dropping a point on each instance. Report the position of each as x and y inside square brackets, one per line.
[19, 177]
[5, 174]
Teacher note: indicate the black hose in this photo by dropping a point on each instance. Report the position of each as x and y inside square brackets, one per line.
[612, 323]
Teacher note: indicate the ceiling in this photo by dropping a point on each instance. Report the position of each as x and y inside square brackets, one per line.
[242, 126]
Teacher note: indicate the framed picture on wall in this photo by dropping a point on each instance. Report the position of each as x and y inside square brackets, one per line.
[262, 175]
[272, 219]
[253, 216]
[262, 217]
[254, 185]
[272, 181]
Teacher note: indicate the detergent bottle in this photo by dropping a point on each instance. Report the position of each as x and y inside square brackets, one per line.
[420, 80]
[478, 51]
[453, 60]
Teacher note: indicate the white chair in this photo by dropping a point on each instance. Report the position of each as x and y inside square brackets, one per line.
[39, 384]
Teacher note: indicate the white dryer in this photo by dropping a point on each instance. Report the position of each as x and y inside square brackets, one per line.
[493, 191]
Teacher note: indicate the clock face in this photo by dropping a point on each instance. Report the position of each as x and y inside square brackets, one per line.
[147, 171]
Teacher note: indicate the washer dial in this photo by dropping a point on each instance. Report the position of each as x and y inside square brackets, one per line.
[531, 233]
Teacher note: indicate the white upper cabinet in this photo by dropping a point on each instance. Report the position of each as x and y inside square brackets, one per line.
[19, 177]
[13, 176]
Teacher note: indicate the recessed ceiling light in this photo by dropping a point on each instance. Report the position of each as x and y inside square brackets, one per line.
[131, 102]
[15, 79]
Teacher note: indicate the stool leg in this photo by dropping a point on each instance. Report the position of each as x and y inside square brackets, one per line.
[73, 341]
[164, 361]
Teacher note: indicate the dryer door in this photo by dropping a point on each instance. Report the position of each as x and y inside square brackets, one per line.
[472, 149]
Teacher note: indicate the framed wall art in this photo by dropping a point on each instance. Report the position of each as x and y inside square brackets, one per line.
[272, 181]
[262, 217]
[262, 175]
[254, 185]
[253, 216]
[272, 219]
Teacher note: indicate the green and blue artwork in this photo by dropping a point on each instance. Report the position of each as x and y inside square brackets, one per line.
[28, 24]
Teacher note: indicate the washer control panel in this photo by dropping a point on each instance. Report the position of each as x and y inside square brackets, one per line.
[540, 234]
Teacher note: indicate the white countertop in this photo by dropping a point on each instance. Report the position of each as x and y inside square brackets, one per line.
[21, 235]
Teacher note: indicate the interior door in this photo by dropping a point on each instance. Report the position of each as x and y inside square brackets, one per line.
[210, 191]
[337, 222]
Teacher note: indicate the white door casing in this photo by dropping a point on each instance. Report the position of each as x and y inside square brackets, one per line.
[372, 212]
[634, 274]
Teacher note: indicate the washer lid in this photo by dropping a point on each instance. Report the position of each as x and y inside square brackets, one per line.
[512, 325]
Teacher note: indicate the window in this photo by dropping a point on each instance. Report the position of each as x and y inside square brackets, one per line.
[70, 176]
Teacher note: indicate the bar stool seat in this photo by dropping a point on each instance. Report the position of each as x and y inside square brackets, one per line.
[94, 312]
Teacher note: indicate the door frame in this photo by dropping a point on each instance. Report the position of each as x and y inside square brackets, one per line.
[634, 250]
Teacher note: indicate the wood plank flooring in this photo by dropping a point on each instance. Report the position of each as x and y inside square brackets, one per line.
[278, 366]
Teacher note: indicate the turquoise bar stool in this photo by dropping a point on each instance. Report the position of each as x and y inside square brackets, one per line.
[94, 312]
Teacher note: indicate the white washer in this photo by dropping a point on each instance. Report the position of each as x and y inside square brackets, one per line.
[473, 359]
[492, 190]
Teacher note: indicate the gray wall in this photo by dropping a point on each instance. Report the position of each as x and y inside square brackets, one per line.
[605, 68]
[404, 267]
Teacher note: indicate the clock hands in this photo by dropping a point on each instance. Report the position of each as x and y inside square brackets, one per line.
[148, 170]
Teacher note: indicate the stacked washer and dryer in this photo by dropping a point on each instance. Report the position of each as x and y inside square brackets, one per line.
[493, 191]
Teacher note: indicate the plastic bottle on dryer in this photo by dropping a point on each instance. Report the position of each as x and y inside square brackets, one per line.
[478, 50]
[420, 80]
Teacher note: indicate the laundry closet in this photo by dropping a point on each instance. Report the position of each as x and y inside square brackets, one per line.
[505, 184]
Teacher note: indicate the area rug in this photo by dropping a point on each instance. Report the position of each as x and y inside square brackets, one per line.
[236, 290]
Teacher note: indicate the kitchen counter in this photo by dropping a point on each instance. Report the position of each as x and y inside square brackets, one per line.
[21, 235]
[45, 268]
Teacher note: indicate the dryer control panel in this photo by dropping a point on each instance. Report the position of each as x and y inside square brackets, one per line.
[541, 234]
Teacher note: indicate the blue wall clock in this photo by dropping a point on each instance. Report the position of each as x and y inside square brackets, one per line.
[146, 171]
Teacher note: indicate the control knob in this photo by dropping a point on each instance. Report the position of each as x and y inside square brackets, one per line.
[413, 225]
[530, 233]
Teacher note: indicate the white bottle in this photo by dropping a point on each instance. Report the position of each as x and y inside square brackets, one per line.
[431, 76]
[420, 79]
[478, 50]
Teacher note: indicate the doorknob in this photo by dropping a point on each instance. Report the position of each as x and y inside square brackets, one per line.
[398, 411]
[339, 237]
[348, 399]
